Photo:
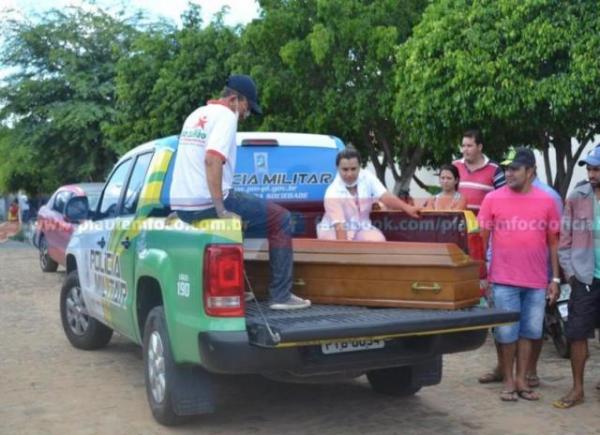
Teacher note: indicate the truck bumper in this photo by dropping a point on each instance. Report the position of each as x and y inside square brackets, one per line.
[232, 353]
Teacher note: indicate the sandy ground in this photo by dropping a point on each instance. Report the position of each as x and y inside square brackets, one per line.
[48, 387]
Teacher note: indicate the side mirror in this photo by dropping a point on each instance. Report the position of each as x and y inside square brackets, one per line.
[77, 209]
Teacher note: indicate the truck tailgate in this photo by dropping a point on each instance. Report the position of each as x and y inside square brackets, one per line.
[322, 323]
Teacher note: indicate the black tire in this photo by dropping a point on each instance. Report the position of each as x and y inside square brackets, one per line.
[47, 264]
[174, 392]
[83, 331]
[395, 381]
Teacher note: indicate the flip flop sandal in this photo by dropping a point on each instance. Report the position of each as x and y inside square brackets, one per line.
[490, 377]
[528, 395]
[565, 403]
[533, 381]
[509, 396]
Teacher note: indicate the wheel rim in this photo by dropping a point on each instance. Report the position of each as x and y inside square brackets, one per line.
[156, 367]
[43, 253]
[77, 316]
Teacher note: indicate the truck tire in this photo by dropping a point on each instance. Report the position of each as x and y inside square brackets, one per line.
[395, 381]
[83, 331]
[47, 264]
[174, 392]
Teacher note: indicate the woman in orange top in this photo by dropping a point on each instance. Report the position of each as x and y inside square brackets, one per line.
[13, 211]
[448, 198]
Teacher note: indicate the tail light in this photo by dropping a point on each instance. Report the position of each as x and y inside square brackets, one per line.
[224, 281]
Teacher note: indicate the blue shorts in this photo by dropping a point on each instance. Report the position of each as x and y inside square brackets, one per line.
[531, 303]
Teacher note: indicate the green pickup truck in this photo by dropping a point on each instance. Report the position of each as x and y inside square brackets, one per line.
[178, 290]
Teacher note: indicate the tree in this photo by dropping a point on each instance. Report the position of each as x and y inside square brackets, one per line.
[54, 105]
[326, 66]
[168, 74]
[526, 72]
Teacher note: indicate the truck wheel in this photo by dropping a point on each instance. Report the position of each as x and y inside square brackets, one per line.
[174, 392]
[395, 381]
[83, 331]
[47, 264]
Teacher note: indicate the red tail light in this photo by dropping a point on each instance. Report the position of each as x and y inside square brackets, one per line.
[224, 281]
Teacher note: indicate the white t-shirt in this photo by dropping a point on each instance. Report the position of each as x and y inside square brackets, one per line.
[209, 129]
[23, 202]
[342, 207]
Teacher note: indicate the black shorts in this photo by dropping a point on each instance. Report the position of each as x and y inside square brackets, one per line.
[584, 310]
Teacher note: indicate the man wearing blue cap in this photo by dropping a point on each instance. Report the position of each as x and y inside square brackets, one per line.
[202, 185]
[579, 256]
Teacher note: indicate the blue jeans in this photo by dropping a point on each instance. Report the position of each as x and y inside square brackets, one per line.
[261, 219]
[531, 303]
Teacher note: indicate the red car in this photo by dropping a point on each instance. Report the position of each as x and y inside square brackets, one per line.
[53, 230]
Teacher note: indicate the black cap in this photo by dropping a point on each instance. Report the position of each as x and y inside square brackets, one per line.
[246, 87]
[521, 157]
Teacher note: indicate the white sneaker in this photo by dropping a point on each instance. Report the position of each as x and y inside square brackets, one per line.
[293, 303]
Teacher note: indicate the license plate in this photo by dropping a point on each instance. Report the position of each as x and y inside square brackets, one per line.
[351, 346]
[563, 309]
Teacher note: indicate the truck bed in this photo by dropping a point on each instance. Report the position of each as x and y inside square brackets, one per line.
[322, 323]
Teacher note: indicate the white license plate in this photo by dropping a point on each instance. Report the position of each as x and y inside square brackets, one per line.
[564, 310]
[351, 346]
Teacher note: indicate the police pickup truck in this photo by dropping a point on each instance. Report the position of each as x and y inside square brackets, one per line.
[177, 290]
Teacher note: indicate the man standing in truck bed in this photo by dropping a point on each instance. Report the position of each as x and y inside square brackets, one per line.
[203, 179]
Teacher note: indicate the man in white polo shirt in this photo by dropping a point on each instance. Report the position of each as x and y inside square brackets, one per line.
[203, 180]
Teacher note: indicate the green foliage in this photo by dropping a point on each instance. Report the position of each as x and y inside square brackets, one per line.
[327, 66]
[526, 72]
[54, 105]
[168, 74]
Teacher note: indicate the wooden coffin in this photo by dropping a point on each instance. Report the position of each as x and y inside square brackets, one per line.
[388, 274]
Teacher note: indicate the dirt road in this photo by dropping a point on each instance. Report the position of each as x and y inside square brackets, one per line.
[48, 387]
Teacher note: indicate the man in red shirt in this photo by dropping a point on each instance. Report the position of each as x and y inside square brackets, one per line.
[478, 177]
[478, 174]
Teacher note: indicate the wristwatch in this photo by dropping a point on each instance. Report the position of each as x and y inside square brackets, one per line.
[556, 280]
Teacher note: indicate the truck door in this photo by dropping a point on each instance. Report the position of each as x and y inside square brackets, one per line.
[124, 244]
[102, 285]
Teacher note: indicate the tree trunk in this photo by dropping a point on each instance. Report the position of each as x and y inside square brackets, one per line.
[545, 146]
[380, 166]
[565, 161]
[408, 161]
[408, 168]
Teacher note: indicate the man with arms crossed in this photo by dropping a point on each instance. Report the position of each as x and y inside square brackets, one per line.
[478, 174]
[579, 255]
[203, 179]
[524, 225]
